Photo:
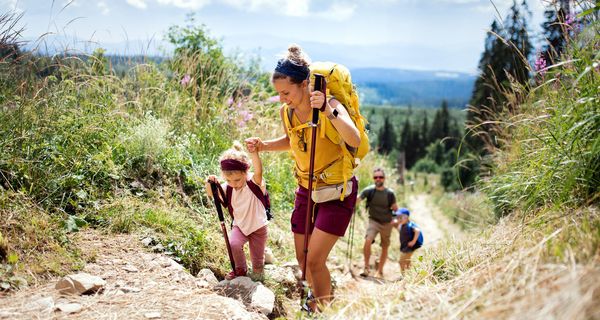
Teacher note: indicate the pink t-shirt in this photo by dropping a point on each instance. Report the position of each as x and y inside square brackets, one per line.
[248, 211]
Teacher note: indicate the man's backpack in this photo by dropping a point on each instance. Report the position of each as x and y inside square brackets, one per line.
[371, 193]
[339, 85]
[263, 197]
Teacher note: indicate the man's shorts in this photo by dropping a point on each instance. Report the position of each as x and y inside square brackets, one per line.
[332, 216]
[384, 229]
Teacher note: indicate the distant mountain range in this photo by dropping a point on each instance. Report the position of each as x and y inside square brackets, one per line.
[377, 85]
[385, 86]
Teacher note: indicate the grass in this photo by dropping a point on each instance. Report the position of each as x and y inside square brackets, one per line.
[33, 245]
[553, 152]
[510, 270]
[125, 154]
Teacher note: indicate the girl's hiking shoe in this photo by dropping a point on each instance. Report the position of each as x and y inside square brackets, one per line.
[234, 274]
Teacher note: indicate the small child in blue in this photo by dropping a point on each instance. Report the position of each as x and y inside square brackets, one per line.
[411, 237]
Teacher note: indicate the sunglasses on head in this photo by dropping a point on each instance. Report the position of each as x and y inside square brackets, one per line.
[378, 177]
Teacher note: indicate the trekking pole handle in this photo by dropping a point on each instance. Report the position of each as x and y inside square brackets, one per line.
[215, 192]
[320, 85]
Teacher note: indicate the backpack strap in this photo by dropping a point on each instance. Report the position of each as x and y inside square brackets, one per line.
[370, 194]
[263, 197]
[229, 193]
[288, 121]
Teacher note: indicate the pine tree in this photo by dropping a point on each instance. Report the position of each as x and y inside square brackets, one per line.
[425, 132]
[441, 123]
[555, 30]
[387, 137]
[505, 57]
[405, 135]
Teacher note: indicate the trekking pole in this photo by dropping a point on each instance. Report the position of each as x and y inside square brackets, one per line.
[321, 86]
[351, 243]
[215, 191]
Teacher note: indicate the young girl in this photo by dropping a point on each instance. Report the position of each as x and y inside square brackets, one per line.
[249, 218]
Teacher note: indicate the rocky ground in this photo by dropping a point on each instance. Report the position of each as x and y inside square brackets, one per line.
[124, 279]
[137, 284]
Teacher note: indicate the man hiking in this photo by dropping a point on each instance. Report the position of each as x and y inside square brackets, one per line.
[381, 203]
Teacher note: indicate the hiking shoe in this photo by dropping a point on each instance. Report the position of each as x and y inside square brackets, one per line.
[365, 273]
[306, 308]
[309, 296]
[257, 277]
[234, 274]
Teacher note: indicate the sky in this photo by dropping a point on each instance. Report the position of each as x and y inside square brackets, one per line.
[409, 34]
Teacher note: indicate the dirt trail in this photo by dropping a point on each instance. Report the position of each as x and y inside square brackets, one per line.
[436, 228]
[139, 285]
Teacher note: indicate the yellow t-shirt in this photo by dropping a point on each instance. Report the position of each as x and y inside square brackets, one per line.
[327, 153]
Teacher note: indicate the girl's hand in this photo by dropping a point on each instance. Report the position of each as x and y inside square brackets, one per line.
[254, 144]
[317, 98]
[411, 244]
[207, 186]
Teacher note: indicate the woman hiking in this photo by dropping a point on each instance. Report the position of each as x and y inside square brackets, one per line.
[330, 219]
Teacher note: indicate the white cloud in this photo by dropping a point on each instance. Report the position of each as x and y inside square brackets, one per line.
[447, 75]
[72, 3]
[140, 4]
[12, 5]
[185, 4]
[296, 8]
[104, 9]
[339, 11]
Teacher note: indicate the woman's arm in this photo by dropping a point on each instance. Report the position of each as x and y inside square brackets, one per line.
[342, 123]
[278, 144]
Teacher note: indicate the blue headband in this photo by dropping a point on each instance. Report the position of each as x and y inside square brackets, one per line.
[290, 69]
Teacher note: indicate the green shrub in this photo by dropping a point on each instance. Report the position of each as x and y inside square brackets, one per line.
[426, 165]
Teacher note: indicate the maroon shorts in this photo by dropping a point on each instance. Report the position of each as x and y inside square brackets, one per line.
[332, 216]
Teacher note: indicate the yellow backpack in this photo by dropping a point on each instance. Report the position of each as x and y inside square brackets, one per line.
[339, 85]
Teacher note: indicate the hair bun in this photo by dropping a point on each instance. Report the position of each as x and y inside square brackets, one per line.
[297, 56]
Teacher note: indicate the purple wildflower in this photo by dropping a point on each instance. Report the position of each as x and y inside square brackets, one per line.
[570, 20]
[540, 65]
[185, 80]
[273, 99]
[246, 115]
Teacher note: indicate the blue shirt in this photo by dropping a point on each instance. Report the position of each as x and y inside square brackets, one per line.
[407, 233]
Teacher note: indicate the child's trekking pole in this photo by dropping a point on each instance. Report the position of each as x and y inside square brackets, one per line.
[215, 191]
[321, 86]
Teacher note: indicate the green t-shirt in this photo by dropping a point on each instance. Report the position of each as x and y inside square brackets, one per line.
[380, 203]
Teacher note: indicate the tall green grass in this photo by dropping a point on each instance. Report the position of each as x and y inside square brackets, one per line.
[128, 152]
[552, 156]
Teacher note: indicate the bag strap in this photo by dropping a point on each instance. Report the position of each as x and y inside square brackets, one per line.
[370, 194]
[229, 193]
[263, 197]
[288, 121]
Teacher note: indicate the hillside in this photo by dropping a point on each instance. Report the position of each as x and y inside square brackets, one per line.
[104, 173]
[381, 86]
